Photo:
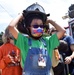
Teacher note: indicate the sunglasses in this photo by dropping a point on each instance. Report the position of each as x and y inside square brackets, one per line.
[36, 26]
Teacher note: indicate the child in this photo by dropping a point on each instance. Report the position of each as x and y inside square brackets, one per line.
[32, 45]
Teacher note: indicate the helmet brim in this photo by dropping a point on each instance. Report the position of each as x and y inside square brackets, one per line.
[43, 15]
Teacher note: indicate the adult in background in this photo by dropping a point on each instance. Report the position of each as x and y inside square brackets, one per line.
[9, 56]
[70, 53]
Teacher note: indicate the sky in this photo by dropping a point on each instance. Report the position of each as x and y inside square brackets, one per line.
[9, 9]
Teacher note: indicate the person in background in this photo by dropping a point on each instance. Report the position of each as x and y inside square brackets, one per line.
[9, 56]
[62, 67]
[69, 55]
[36, 50]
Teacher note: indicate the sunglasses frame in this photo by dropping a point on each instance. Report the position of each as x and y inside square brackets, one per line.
[37, 26]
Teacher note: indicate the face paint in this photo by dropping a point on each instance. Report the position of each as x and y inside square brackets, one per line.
[37, 32]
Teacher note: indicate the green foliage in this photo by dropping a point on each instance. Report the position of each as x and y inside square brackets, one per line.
[1, 42]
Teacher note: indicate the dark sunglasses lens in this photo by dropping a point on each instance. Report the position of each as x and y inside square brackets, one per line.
[36, 26]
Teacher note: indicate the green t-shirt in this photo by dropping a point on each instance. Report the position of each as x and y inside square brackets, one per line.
[22, 43]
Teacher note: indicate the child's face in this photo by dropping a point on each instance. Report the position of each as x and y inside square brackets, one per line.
[36, 27]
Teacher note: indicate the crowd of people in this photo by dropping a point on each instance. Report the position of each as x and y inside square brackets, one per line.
[27, 50]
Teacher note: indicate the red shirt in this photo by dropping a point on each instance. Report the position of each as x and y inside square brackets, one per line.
[6, 69]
